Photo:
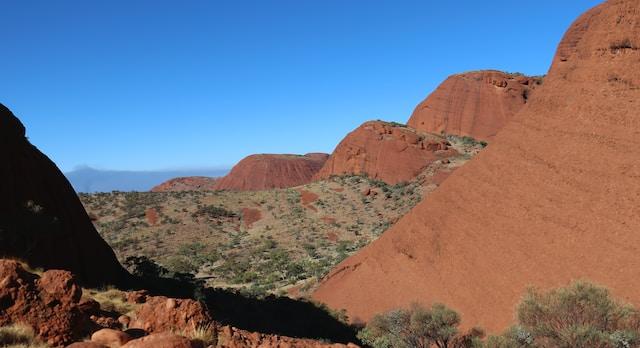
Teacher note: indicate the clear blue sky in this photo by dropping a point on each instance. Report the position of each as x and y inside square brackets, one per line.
[153, 84]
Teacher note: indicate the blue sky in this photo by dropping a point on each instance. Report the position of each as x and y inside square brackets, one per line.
[153, 84]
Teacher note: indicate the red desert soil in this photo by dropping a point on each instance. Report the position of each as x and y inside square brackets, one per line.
[385, 151]
[555, 197]
[189, 183]
[41, 218]
[268, 171]
[476, 104]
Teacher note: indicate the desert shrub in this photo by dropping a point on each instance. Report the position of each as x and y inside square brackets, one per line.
[419, 327]
[213, 212]
[581, 315]
[19, 335]
[180, 264]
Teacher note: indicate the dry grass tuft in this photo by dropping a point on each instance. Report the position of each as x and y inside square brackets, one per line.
[19, 336]
[111, 300]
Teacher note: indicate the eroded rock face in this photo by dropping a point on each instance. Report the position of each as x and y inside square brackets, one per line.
[268, 171]
[162, 314]
[554, 198]
[49, 304]
[189, 183]
[476, 104]
[384, 151]
[41, 218]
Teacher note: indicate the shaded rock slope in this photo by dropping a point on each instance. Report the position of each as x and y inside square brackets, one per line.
[476, 104]
[554, 198]
[268, 171]
[385, 151]
[41, 218]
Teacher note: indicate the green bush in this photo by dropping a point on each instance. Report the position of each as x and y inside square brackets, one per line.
[419, 327]
[581, 315]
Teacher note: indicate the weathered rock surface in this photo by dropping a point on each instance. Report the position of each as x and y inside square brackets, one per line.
[476, 104]
[162, 340]
[554, 198]
[110, 338]
[189, 183]
[384, 151]
[268, 171]
[162, 314]
[49, 304]
[229, 337]
[41, 218]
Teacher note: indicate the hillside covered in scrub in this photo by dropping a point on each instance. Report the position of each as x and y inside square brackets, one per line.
[280, 240]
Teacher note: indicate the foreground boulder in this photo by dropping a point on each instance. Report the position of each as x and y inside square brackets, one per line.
[49, 304]
[41, 218]
[476, 104]
[160, 314]
[385, 151]
[268, 171]
[554, 198]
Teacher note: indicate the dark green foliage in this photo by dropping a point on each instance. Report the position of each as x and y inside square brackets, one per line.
[419, 327]
[581, 315]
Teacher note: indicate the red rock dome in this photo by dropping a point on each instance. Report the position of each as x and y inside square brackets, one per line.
[553, 199]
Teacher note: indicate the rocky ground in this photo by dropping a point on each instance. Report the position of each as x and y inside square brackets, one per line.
[275, 241]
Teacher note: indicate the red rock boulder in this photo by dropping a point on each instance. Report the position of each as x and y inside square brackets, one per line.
[160, 314]
[48, 304]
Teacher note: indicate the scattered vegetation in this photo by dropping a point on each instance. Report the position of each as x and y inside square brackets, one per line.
[581, 315]
[288, 249]
[419, 327]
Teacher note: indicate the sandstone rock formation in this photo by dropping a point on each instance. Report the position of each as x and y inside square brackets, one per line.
[41, 218]
[554, 198]
[385, 151]
[268, 171]
[476, 104]
[189, 183]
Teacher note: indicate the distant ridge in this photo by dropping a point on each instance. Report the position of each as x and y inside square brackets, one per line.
[89, 180]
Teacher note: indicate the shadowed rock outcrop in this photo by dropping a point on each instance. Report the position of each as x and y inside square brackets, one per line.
[268, 171]
[385, 151]
[554, 198]
[41, 218]
[476, 104]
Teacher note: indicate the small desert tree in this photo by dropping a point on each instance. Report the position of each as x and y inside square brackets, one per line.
[579, 316]
[418, 327]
